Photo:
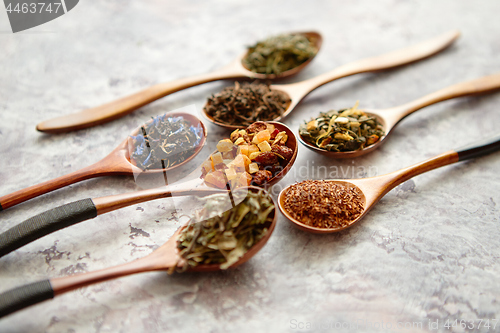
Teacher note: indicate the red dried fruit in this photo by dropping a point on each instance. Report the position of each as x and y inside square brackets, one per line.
[267, 158]
[256, 127]
[261, 177]
[283, 151]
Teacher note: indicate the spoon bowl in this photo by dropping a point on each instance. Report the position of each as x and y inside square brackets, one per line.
[292, 144]
[304, 227]
[254, 249]
[389, 118]
[297, 91]
[78, 211]
[354, 153]
[315, 38]
[127, 145]
[118, 162]
[165, 258]
[374, 188]
[123, 106]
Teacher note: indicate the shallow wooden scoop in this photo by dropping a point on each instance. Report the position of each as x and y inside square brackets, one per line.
[119, 108]
[66, 215]
[374, 188]
[389, 118]
[165, 257]
[297, 91]
[118, 162]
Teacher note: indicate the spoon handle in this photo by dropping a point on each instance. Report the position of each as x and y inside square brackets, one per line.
[389, 60]
[37, 292]
[482, 85]
[164, 258]
[31, 192]
[46, 223]
[479, 148]
[123, 106]
[24, 296]
[69, 214]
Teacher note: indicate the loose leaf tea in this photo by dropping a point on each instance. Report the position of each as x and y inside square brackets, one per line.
[278, 54]
[244, 104]
[218, 235]
[165, 142]
[323, 204]
[251, 156]
[344, 130]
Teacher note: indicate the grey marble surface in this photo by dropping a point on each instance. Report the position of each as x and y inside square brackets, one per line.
[429, 251]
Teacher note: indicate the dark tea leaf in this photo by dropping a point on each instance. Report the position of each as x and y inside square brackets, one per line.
[247, 103]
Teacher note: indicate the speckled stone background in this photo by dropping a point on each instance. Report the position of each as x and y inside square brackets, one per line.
[428, 252]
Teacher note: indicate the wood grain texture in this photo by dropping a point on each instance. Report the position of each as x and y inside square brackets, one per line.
[123, 106]
[118, 162]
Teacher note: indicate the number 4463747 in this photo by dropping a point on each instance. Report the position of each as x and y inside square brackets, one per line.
[471, 324]
[34, 7]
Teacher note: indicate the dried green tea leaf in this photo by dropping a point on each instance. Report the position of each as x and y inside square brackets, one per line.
[225, 237]
[278, 54]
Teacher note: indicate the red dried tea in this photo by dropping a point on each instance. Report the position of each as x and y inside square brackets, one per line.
[323, 204]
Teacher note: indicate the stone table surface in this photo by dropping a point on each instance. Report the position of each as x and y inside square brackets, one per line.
[427, 253]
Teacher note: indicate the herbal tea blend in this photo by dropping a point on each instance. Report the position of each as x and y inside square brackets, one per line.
[246, 103]
[165, 142]
[344, 130]
[218, 235]
[251, 156]
[323, 204]
[278, 54]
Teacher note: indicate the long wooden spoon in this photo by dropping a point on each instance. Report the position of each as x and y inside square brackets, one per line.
[119, 108]
[165, 257]
[297, 91]
[66, 215]
[389, 118]
[374, 188]
[118, 162]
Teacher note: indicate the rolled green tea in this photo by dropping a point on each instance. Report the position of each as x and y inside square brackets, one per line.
[344, 130]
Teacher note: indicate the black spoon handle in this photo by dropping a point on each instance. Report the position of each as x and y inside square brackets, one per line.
[24, 296]
[45, 223]
[479, 148]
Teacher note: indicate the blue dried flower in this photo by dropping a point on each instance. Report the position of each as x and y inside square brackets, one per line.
[198, 132]
[181, 128]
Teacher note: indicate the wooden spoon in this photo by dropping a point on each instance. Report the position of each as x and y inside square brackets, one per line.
[374, 188]
[165, 258]
[63, 216]
[297, 91]
[118, 162]
[389, 118]
[119, 108]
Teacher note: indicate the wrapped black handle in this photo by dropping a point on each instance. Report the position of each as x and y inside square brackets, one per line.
[22, 297]
[45, 223]
[479, 148]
